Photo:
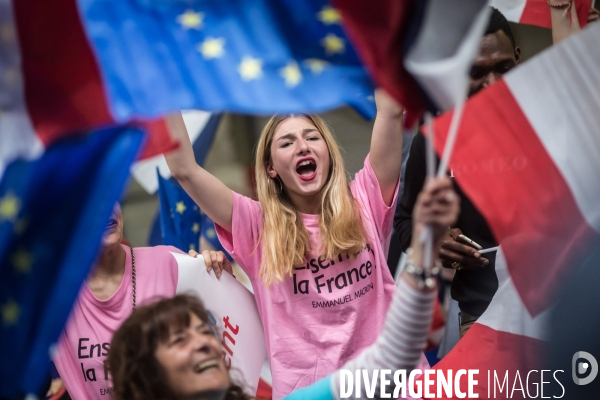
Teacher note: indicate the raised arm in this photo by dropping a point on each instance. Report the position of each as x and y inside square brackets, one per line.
[404, 335]
[565, 21]
[212, 196]
[386, 144]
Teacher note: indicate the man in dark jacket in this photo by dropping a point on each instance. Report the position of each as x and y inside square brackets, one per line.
[475, 282]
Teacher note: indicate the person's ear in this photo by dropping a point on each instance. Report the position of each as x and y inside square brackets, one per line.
[518, 54]
[271, 171]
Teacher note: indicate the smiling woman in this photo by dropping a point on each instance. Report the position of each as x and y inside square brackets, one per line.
[168, 350]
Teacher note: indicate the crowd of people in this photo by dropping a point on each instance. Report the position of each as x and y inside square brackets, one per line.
[131, 337]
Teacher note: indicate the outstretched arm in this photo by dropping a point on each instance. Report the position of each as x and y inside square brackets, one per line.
[386, 144]
[404, 335]
[565, 21]
[212, 196]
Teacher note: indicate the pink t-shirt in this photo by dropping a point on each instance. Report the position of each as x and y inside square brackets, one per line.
[84, 344]
[328, 310]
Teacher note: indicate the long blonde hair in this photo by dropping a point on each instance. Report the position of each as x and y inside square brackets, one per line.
[285, 239]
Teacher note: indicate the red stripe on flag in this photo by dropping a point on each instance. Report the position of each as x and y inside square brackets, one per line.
[63, 87]
[486, 349]
[537, 12]
[505, 170]
[158, 140]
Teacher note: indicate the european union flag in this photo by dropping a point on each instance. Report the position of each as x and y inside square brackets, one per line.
[182, 222]
[53, 212]
[247, 56]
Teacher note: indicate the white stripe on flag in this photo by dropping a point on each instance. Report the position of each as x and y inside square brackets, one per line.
[17, 135]
[447, 43]
[565, 113]
[145, 171]
[512, 9]
[507, 312]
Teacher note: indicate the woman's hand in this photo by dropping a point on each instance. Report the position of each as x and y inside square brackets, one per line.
[214, 260]
[437, 206]
[593, 15]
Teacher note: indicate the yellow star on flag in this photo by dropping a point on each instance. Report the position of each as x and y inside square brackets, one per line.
[212, 47]
[315, 65]
[180, 207]
[10, 205]
[329, 16]
[333, 44]
[250, 68]
[210, 233]
[191, 19]
[196, 227]
[22, 261]
[10, 313]
[291, 73]
[192, 247]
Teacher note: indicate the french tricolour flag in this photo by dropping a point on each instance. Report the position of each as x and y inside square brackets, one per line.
[399, 42]
[537, 12]
[528, 155]
[51, 84]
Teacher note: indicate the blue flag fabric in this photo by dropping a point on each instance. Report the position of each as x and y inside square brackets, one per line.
[246, 56]
[181, 221]
[200, 146]
[53, 212]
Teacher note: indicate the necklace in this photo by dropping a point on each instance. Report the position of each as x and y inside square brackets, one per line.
[132, 278]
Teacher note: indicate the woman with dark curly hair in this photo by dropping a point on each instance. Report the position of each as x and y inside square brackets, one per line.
[150, 355]
[168, 350]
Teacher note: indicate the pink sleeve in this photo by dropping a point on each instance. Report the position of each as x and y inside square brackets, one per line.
[365, 189]
[241, 242]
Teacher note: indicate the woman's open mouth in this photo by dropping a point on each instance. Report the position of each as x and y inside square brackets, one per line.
[306, 169]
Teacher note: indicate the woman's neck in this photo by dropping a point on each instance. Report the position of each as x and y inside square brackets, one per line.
[105, 278]
[307, 204]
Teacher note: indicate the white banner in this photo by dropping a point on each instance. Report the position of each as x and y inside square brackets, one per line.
[235, 314]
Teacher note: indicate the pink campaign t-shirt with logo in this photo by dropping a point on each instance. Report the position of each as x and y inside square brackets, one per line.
[329, 309]
[85, 342]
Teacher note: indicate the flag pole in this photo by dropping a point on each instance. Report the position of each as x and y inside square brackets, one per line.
[452, 133]
[427, 234]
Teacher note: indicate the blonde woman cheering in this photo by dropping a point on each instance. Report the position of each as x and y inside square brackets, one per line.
[314, 245]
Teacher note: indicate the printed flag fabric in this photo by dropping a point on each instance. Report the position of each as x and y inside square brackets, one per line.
[527, 155]
[259, 57]
[233, 310]
[537, 12]
[51, 85]
[180, 218]
[53, 212]
[182, 223]
[413, 47]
